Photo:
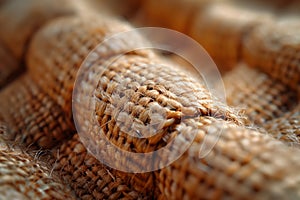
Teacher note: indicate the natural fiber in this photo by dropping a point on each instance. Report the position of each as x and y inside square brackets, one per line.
[25, 177]
[90, 179]
[220, 27]
[231, 33]
[33, 118]
[274, 49]
[161, 13]
[133, 69]
[242, 163]
[66, 47]
[286, 127]
[261, 100]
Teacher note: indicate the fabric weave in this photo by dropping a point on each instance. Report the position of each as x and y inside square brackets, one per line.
[43, 157]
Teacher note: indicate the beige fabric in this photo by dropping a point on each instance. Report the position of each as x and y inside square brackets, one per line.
[36, 114]
[274, 49]
[257, 95]
[90, 179]
[263, 35]
[23, 176]
[32, 117]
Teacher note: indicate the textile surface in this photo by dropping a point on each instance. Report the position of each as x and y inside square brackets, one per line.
[43, 45]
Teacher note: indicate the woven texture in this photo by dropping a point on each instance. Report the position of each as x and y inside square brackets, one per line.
[274, 49]
[240, 159]
[131, 66]
[261, 100]
[25, 177]
[68, 46]
[36, 108]
[232, 33]
[286, 128]
[33, 119]
[90, 179]
[221, 29]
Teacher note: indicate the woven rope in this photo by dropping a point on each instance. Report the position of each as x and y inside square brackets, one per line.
[243, 163]
[232, 33]
[69, 47]
[131, 66]
[221, 29]
[218, 26]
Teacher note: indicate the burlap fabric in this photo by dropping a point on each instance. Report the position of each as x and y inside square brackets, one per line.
[42, 152]
[265, 38]
[261, 100]
[28, 175]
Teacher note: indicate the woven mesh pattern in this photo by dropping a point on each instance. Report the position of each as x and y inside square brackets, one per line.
[275, 50]
[150, 86]
[32, 117]
[24, 177]
[286, 128]
[92, 180]
[69, 47]
[257, 95]
[225, 30]
[242, 164]
[246, 159]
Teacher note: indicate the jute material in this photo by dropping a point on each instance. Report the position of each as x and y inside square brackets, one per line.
[257, 95]
[41, 124]
[43, 135]
[274, 49]
[161, 13]
[133, 68]
[33, 118]
[90, 179]
[263, 39]
[242, 163]
[240, 166]
[23, 176]
[286, 127]
[66, 47]
[221, 28]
